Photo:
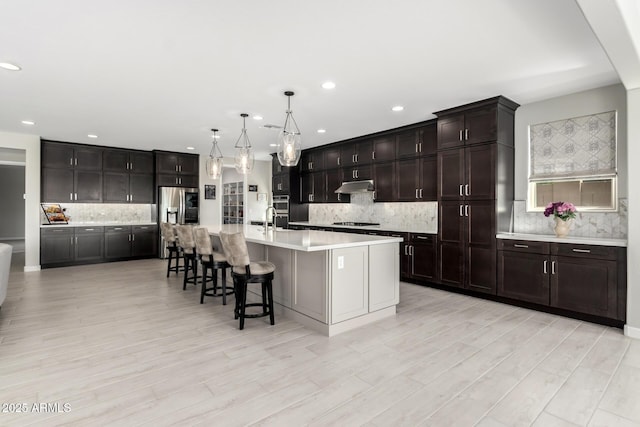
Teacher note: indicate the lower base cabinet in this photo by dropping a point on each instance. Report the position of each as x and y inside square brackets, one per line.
[136, 241]
[418, 257]
[580, 278]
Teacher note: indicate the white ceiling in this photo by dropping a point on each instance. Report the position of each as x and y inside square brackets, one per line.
[158, 74]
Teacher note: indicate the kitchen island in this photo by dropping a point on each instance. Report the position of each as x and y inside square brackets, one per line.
[330, 282]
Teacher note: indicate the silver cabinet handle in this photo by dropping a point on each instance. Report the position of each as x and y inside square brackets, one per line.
[71, 240]
[75, 196]
[466, 134]
[339, 196]
[131, 197]
[75, 162]
[461, 214]
[76, 240]
[466, 190]
[374, 195]
[129, 237]
[420, 147]
[405, 249]
[421, 193]
[416, 193]
[520, 246]
[544, 266]
[70, 161]
[127, 197]
[461, 190]
[357, 175]
[416, 147]
[460, 134]
[373, 155]
[466, 210]
[118, 228]
[582, 251]
[338, 160]
[88, 229]
[133, 237]
[176, 168]
[553, 267]
[411, 250]
[353, 158]
[422, 238]
[357, 158]
[70, 196]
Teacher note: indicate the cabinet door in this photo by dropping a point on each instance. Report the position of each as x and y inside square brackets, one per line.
[451, 243]
[312, 161]
[584, 285]
[384, 148]
[56, 246]
[115, 160]
[407, 144]
[276, 184]
[318, 187]
[333, 180]
[166, 180]
[188, 164]
[428, 140]
[88, 158]
[358, 173]
[480, 241]
[89, 244]
[331, 158]
[423, 257]
[363, 151]
[307, 188]
[451, 174]
[88, 186]
[57, 155]
[524, 276]
[310, 284]
[117, 243]
[428, 178]
[350, 283]
[57, 185]
[276, 167]
[481, 126]
[143, 241]
[189, 181]
[384, 181]
[141, 188]
[383, 276]
[166, 163]
[405, 260]
[141, 162]
[449, 129]
[283, 260]
[408, 180]
[116, 187]
[480, 175]
[347, 154]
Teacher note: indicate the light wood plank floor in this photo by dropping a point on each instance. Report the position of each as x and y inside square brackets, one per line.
[123, 345]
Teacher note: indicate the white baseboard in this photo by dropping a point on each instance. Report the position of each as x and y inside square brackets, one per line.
[31, 268]
[632, 332]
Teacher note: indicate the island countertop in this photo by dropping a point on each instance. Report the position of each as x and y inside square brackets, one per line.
[302, 240]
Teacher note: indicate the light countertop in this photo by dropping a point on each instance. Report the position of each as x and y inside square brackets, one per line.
[568, 239]
[96, 224]
[381, 227]
[303, 240]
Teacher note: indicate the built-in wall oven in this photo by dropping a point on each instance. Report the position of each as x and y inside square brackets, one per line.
[281, 206]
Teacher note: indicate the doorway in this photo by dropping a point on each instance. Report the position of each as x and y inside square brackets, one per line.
[12, 226]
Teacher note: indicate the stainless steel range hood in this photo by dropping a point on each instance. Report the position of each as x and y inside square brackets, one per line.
[356, 187]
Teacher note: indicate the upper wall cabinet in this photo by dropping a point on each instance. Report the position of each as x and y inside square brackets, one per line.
[71, 156]
[115, 160]
[332, 157]
[384, 148]
[312, 160]
[356, 153]
[417, 142]
[176, 163]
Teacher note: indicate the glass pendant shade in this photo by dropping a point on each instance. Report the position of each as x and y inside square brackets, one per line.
[289, 139]
[244, 158]
[214, 162]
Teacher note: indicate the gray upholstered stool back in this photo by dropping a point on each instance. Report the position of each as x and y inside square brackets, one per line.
[185, 236]
[235, 249]
[203, 241]
[168, 232]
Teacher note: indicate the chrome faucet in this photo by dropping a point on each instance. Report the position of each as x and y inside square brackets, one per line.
[266, 219]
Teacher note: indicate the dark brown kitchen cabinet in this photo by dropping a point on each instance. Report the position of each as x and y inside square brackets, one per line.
[70, 156]
[68, 185]
[164, 180]
[422, 253]
[127, 188]
[312, 187]
[471, 127]
[129, 161]
[358, 173]
[69, 246]
[356, 153]
[312, 160]
[579, 278]
[467, 245]
[331, 157]
[384, 177]
[280, 184]
[384, 148]
[126, 242]
[417, 142]
[333, 180]
[89, 244]
[467, 173]
[176, 163]
[416, 179]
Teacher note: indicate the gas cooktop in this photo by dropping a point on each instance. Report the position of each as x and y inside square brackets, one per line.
[357, 224]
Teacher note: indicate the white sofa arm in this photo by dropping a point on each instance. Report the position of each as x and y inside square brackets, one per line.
[5, 265]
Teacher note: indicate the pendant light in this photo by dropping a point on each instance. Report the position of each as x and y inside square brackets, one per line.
[289, 139]
[214, 162]
[244, 154]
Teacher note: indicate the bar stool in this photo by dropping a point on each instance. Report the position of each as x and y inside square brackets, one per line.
[188, 245]
[169, 235]
[210, 259]
[244, 272]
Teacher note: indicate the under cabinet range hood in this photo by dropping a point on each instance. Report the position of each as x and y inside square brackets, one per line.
[356, 187]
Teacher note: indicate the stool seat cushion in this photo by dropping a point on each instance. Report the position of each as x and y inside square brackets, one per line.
[257, 268]
[219, 257]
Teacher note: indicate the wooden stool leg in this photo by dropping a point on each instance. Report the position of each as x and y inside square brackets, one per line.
[224, 286]
[187, 267]
[236, 290]
[243, 303]
[264, 298]
[204, 283]
[270, 290]
[169, 263]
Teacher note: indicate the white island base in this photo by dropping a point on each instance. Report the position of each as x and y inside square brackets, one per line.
[330, 282]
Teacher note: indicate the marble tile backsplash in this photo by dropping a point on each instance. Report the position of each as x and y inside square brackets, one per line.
[420, 216]
[609, 225]
[106, 213]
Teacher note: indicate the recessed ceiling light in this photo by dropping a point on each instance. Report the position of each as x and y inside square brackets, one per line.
[273, 145]
[9, 66]
[322, 130]
[256, 117]
[92, 136]
[191, 148]
[328, 85]
[28, 122]
[397, 108]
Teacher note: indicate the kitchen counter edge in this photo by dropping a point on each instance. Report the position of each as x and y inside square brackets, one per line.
[568, 239]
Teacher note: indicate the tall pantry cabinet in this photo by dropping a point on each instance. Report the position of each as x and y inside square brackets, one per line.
[475, 190]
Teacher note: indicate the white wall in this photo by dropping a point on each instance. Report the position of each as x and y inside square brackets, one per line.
[210, 210]
[261, 176]
[11, 191]
[632, 327]
[31, 145]
[593, 101]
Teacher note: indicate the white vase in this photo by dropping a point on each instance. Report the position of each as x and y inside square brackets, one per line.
[562, 227]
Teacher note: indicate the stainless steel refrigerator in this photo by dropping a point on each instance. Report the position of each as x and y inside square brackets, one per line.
[177, 206]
